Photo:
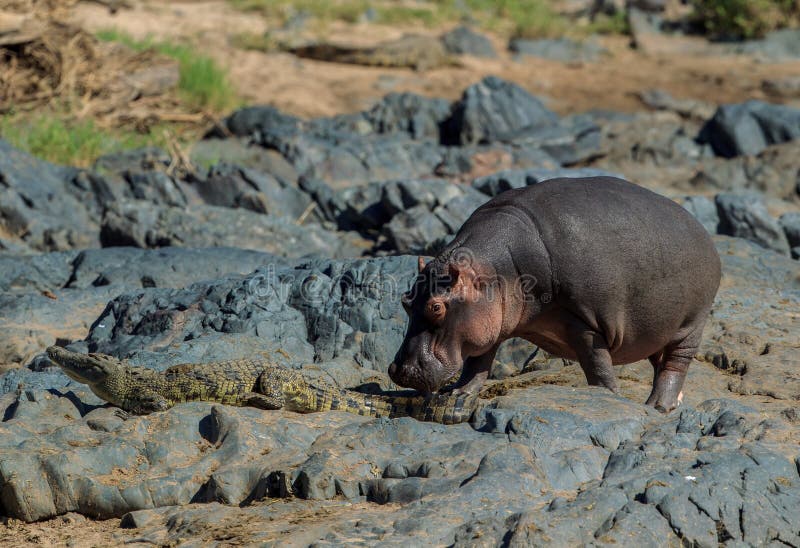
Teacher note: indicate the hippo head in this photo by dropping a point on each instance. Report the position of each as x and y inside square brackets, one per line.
[454, 313]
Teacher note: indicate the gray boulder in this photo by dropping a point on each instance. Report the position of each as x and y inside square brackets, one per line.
[55, 297]
[43, 205]
[140, 224]
[573, 140]
[463, 40]
[791, 226]
[493, 110]
[518, 178]
[419, 117]
[704, 210]
[748, 128]
[558, 49]
[314, 311]
[746, 216]
[231, 186]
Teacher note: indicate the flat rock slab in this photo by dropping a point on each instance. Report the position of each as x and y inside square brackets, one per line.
[542, 464]
[57, 296]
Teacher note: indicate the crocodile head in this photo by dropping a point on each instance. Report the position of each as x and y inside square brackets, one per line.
[90, 369]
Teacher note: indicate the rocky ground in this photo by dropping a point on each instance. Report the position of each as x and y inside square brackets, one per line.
[296, 244]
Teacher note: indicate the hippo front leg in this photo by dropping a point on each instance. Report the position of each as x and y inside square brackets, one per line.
[475, 372]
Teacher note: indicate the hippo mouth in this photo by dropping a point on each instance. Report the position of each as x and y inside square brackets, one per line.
[426, 380]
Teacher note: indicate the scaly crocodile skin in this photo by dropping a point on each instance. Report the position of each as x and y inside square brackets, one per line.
[244, 382]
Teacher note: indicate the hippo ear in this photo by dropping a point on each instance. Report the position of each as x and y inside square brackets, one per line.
[420, 263]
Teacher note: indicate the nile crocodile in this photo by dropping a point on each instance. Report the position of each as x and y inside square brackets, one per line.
[244, 382]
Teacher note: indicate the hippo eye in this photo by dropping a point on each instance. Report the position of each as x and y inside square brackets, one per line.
[436, 312]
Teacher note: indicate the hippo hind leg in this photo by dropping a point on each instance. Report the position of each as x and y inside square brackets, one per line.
[669, 370]
[595, 358]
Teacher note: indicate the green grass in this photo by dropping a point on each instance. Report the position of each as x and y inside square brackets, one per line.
[736, 19]
[523, 18]
[609, 24]
[283, 10]
[203, 83]
[56, 138]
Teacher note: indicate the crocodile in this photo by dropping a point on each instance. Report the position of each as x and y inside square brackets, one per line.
[244, 382]
[412, 50]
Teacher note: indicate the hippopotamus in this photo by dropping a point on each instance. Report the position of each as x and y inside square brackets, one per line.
[596, 269]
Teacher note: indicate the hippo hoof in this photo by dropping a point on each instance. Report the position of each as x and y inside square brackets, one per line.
[668, 407]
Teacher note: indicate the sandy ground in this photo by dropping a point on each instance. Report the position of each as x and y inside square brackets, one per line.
[311, 88]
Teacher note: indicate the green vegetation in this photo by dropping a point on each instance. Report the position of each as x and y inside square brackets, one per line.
[523, 18]
[56, 138]
[203, 83]
[609, 24]
[528, 18]
[334, 10]
[735, 19]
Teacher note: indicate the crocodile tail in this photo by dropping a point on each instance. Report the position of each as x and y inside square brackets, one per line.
[446, 409]
[311, 399]
[442, 408]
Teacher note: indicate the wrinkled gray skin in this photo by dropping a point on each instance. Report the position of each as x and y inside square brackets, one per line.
[597, 270]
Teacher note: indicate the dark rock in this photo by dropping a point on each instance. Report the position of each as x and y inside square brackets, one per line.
[41, 272]
[419, 117]
[142, 225]
[704, 210]
[517, 178]
[252, 121]
[575, 139]
[464, 40]
[130, 268]
[415, 215]
[416, 230]
[40, 205]
[241, 151]
[236, 187]
[156, 187]
[746, 216]
[771, 173]
[748, 128]
[399, 137]
[791, 226]
[33, 321]
[315, 311]
[558, 49]
[346, 159]
[424, 215]
[57, 296]
[493, 110]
